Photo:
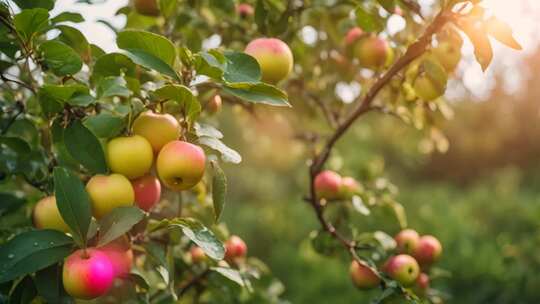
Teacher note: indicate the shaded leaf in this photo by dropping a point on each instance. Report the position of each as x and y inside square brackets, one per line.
[227, 154]
[240, 67]
[502, 32]
[75, 39]
[258, 93]
[231, 274]
[183, 96]
[219, 190]
[83, 146]
[67, 16]
[367, 21]
[147, 42]
[114, 64]
[118, 222]
[10, 203]
[112, 86]
[26, 4]
[105, 125]
[152, 62]
[24, 292]
[60, 58]
[49, 285]
[31, 21]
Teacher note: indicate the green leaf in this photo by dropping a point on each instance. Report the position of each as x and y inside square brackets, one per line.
[211, 64]
[13, 154]
[476, 32]
[83, 146]
[399, 212]
[67, 17]
[24, 292]
[227, 154]
[139, 280]
[10, 203]
[112, 86]
[219, 190]
[81, 100]
[31, 251]
[183, 96]
[206, 130]
[114, 64]
[151, 62]
[240, 67]
[167, 7]
[118, 222]
[73, 203]
[231, 274]
[53, 97]
[368, 22]
[75, 39]
[199, 234]
[105, 125]
[502, 32]
[28, 4]
[149, 43]
[388, 5]
[49, 285]
[259, 93]
[60, 58]
[31, 21]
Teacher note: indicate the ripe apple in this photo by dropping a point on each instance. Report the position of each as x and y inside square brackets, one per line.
[448, 55]
[274, 57]
[131, 156]
[214, 104]
[180, 165]
[197, 255]
[108, 192]
[147, 191]
[235, 248]
[428, 250]
[406, 241]
[363, 277]
[403, 268]
[349, 187]
[87, 274]
[147, 7]
[373, 52]
[422, 282]
[328, 185]
[157, 129]
[244, 10]
[47, 216]
[120, 255]
[353, 35]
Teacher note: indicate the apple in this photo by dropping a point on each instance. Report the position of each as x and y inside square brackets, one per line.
[235, 248]
[373, 52]
[428, 250]
[87, 274]
[180, 165]
[353, 35]
[108, 192]
[274, 57]
[403, 268]
[120, 255]
[328, 185]
[147, 191]
[157, 129]
[131, 156]
[349, 187]
[197, 255]
[422, 282]
[429, 86]
[448, 55]
[244, 10]
[406, 241]
[47, 216]
[147, 7]
[214, 104]
[363, 277]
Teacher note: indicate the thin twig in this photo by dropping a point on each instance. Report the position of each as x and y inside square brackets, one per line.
[193, 282]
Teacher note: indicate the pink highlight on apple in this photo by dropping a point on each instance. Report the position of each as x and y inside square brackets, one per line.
[87, 274]
[328, 184]
[147, 191]
[353, 35]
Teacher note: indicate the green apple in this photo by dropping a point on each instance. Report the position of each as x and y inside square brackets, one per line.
[406, 241]
[108, 192]
[328, 185]
[403, 268]
[158, 129]
[448, 55]
[349, 187]
[147, 7]
[130, 156]
[430, 82]
[180, 165]
[363, 277]
[428, 250]
[373, 52]
[274, 57]
[47, 216]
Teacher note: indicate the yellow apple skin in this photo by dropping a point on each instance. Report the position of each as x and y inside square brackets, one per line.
[130, 156]
[180, 165]
[426, 89]
[274, 57]
[147, 7]
[158, 129]
[47, 216]
[108, 192]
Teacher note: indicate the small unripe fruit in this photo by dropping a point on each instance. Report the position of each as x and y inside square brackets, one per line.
[108, 192]
[47, 216]
[328, 185]
[274, 57]
[244, 10]
[130, 156]
[147, 191]
[197, 255]
[235, 248]
[448, 55]
[157, 129]
[372, 52]
[147, 7]
[353, 35]
[214, 104]
[87, 274]
[363, 277]
[403, 268]
[180, 165]
[406, 241]
[428, 250]
[120, 255]
[430, 82]
[349, 187]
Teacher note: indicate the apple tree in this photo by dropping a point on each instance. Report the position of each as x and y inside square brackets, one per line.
[112, 185]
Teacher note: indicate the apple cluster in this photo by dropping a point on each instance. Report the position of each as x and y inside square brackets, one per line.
[415, 255]
[329, 185]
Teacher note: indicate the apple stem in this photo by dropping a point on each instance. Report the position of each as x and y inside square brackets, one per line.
[85, 254]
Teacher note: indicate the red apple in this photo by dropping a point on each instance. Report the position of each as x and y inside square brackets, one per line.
[147, 191]
[328, 185]
[180, 165]
[422, 282]
[373, 52]
[406, 241]
[244, 10]
[235, 248]
[363, 277]
[120, 254]
[428, 250]
[274, 57]
[87, 274]
[353, 35]
[197, 255]
[147, 7]
[402, 268]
